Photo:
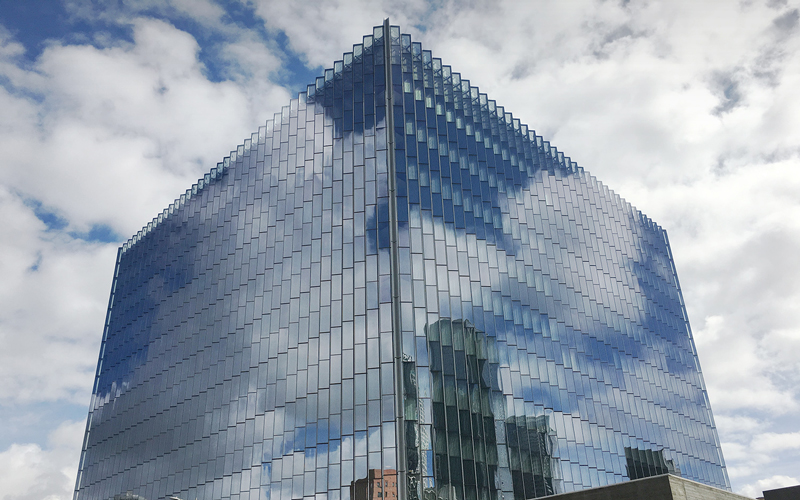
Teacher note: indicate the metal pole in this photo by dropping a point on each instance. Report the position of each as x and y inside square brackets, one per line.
[397, 333]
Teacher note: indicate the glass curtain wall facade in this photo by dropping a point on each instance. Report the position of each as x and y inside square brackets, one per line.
[395, 289]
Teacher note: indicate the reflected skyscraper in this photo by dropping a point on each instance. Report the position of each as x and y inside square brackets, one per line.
[395, 281]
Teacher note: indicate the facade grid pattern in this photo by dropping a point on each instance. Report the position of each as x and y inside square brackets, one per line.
[541, 341]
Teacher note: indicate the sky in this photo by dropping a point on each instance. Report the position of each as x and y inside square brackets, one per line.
[689, 110]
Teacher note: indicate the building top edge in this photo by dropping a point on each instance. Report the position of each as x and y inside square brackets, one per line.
[513, 125]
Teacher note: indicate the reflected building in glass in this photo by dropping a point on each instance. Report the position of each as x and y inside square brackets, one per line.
[395, 289]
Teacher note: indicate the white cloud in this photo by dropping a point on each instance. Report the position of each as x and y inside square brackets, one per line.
[207, 13]
[684, 108]
[737, 423]
[129, 127]
[52, 306]
[29, 472]
[736, 376]
[771, 441]
[322, 31]
[778, 481]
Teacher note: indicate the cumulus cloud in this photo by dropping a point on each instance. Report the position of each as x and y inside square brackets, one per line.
[52, 306]
[778, 481]
[683, 108]
[205, 12]
[127, 127]
[771, 441]
[30, 472]
[321, 31]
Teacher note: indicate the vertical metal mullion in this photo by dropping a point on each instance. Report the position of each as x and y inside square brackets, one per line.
[397, 333]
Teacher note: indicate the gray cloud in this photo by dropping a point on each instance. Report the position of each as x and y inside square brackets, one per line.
[787, 22]
[728, 90]
[777, 4]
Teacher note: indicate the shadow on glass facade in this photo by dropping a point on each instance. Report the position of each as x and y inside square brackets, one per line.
[647, 463]
[394, 287]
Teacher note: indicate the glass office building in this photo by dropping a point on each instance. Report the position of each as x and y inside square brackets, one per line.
[394, 289]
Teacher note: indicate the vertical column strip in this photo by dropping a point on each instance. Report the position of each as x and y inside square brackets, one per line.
[397, 334]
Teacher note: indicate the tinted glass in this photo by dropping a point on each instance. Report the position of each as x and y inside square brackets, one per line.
[427, 284]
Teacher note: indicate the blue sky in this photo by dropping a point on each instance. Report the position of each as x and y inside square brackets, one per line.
[109, 110]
